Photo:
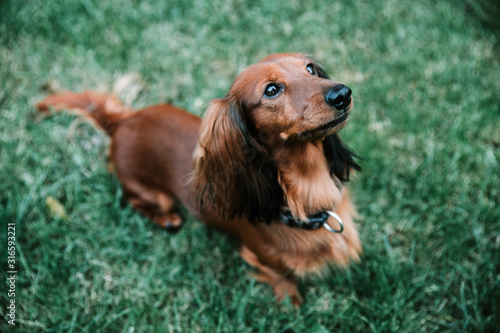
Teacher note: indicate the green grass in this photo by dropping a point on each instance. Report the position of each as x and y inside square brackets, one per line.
[426, 81]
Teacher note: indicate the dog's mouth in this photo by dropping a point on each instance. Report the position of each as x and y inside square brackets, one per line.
[330, 127]
[334, 123]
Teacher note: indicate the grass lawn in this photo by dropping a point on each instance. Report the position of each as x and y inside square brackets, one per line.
[426, 81]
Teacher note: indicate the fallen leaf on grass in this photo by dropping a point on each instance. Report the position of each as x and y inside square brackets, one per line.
[56, 209]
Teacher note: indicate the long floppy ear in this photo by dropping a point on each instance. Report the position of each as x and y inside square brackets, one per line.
[340, 157]
[233, 172]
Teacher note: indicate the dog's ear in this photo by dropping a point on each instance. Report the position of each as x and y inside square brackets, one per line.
[340, 157]
[234, 173]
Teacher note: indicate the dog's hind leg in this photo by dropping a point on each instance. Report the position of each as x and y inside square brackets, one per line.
[158, 206]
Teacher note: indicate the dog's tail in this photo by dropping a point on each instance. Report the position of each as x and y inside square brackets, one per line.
[103, 110]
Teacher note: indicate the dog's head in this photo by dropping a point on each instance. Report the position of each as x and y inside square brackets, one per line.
[290, 97]
[283, 100]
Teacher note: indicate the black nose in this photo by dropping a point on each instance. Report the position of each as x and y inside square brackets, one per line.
[338, 97]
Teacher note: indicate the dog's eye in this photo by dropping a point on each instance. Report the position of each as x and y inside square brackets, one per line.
[310, 69]
[272, 90]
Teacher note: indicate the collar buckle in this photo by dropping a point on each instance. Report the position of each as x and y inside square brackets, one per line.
[315, 222]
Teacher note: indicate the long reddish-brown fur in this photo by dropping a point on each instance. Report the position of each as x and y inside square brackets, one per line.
[270, 144]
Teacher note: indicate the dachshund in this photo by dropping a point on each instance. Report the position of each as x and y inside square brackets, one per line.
[265, 165]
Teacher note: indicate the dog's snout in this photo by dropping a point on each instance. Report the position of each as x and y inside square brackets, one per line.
[338, 97]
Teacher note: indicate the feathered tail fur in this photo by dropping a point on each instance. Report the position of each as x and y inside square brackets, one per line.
[103, 110]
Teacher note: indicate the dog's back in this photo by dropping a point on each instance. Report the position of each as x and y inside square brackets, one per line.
[148, 147]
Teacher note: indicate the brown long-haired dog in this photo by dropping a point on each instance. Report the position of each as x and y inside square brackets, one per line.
[265, 165]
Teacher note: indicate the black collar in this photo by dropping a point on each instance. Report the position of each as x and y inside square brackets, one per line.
[314, 222]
